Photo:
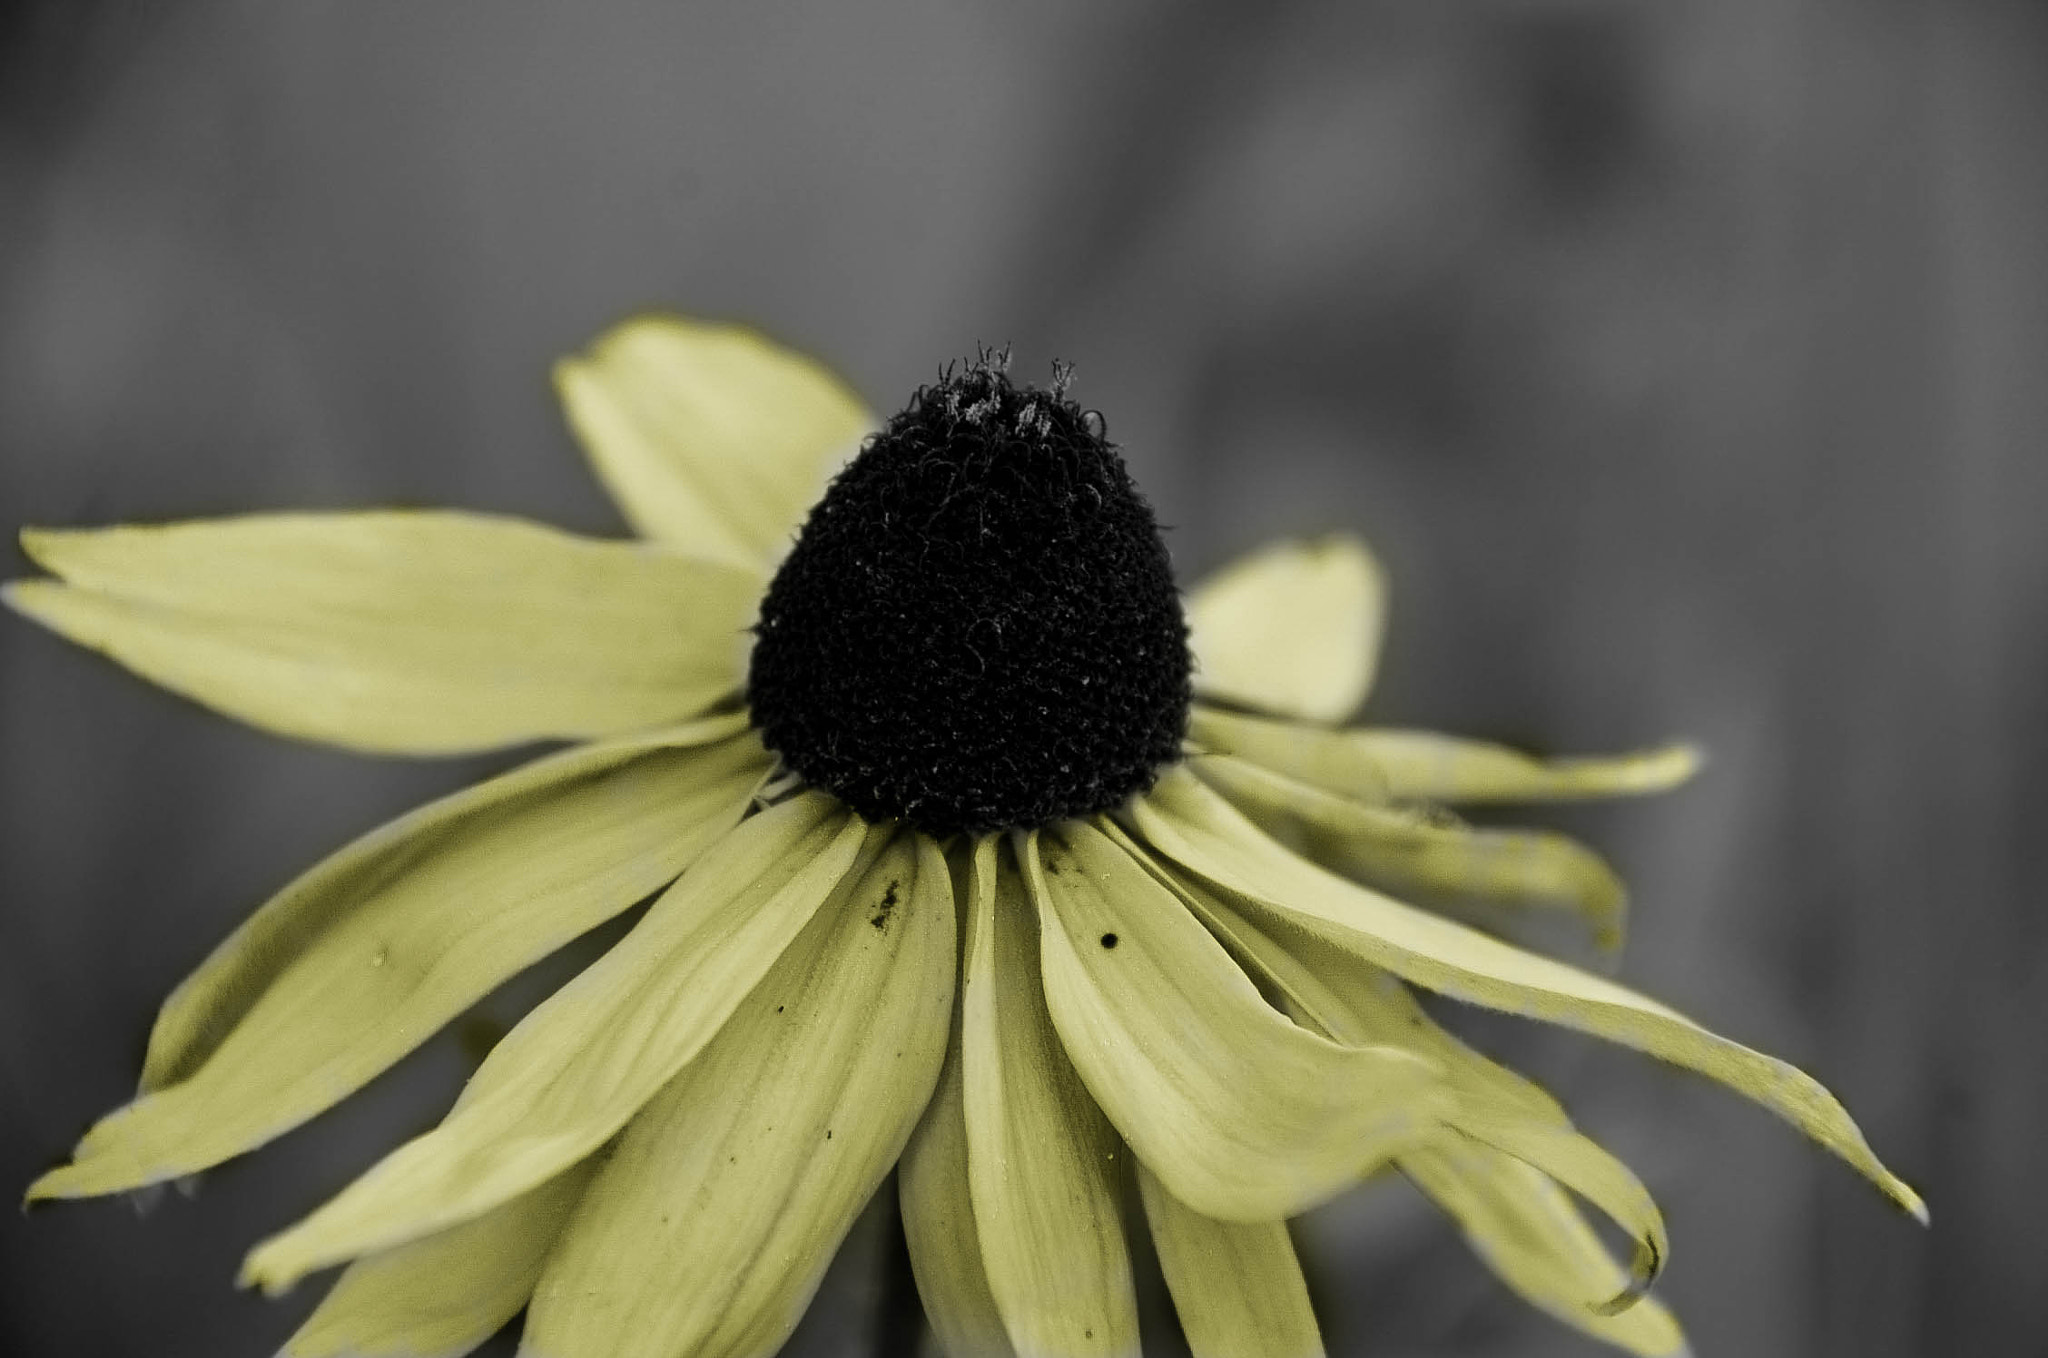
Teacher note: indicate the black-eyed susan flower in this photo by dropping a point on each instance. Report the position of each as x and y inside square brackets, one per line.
[969, 851]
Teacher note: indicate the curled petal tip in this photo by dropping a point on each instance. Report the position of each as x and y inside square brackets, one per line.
[1643, 1271]
[255, 1273]
[261, 1269]
[1620, 1301]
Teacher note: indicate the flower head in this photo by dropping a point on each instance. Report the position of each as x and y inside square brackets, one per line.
[952, 867]
[978, 628]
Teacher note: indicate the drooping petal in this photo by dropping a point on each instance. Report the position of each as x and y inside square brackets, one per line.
[712, 438]
[589, 1057]
[1197, 829]
[1237, 1286]
[1579, 1163]
[399, 632]
[1532, 1235]
[368, 954]
[1352, 1001]
[1043, 1165]
[1495, 1107]
[1293, 629]
[1356, 1002]
[1243, 1114]
[1408, 854]
[938, 1222]
[1374, 763]
[709, 1227]
[447, 1293]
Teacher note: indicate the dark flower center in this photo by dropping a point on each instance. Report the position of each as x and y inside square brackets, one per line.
[977, 628]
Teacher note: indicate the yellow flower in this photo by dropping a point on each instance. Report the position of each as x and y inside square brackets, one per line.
[949, 869]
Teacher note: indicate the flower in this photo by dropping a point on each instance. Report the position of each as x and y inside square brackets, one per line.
[948, 868]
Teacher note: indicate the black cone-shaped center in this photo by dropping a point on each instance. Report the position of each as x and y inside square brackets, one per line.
[978, 627]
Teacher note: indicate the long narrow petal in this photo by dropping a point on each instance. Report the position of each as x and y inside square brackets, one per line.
[589, 1057]
[1352, 1001]
[1579, 1163]
[708, 1229]
[1426, 766]
[441, 1296]
[1356, 1002]
[1316, 755]
[1043, 1164]
[467, 830]
[1408, 854]
[1379, 763]
[1199, 830]
[711, 438]
[1245, 1115]
[368, 954]
[1294, 628]
[1532, 1235]
[1497, 1108]
[1237, 1286]
[938, 1222]
[414, 633]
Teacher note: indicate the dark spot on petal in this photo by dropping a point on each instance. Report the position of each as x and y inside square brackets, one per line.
[1109, 940]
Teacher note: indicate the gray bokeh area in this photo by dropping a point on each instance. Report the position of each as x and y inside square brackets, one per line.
[1684, 361]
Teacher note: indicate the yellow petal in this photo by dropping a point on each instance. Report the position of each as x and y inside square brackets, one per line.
[1237, 1286]
[368, 954]
[1044, 1167]
[1316, 755]
[482, 828]
[708, 1229]
[1425, 766]
[1243, 1114]
[1351, 1001]
[447, 1293]
[1580, 1164]
[589, 1057]
[1382, 764]
[1294, 628]
[712, 438]
[1191, 825]
[1356, 1002]
[1532, 1235]
[938, 1222]
[415, 633]
[1408, 854]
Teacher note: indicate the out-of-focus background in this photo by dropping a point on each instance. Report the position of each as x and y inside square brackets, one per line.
[1685, 361]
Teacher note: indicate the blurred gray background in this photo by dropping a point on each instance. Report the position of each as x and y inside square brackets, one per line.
[1684, 360]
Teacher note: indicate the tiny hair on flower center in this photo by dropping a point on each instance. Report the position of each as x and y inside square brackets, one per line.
[977, 628]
